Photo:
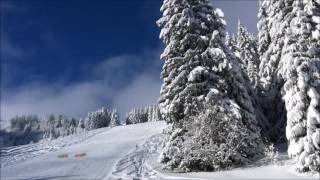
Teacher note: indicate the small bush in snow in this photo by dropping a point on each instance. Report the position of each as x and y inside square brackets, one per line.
[214, 140]
[272, 154]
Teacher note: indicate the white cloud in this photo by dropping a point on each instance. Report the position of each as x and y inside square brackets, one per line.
[116, 82]
[74, 100]
[143, 91]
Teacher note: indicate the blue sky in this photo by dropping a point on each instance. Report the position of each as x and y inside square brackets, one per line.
[70, 57]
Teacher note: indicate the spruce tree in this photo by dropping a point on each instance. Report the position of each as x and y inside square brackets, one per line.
[274, 19]
[150, 113]
[231, 42]
[247, 52]
[290, 69]
[81, 123]
[200, 74]
[115, 120]
[186, 28]
[300, 68]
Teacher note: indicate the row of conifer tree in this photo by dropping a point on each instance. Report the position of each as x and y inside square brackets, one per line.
[225, 97]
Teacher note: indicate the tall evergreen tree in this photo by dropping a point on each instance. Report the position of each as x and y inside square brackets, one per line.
[274, 18]
[290, 69]
[300, 68]
[244, 46]
[199, 74]
[247, 52]
[156, 115]
[186, 28]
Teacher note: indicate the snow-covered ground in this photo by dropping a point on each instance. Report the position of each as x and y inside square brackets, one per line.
[124, 152]
[15, 154]
[142, 163]
[97, 155]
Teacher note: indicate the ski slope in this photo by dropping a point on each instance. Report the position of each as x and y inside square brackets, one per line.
[124, 152]
[97, 155]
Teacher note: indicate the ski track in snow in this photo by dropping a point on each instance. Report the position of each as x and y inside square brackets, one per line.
[134, 165]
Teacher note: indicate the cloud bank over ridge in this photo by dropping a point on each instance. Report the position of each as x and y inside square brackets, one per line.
[109, 83]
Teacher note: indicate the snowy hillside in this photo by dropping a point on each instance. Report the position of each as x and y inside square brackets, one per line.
[122, 152]
[96, 155]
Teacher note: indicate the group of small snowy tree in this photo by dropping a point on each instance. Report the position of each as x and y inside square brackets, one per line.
[23, 130]
[58, 126]
[101, 118]
[223, 96]
[27, 129]
[142, 115]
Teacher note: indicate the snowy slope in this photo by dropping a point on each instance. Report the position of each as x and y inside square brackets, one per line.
[124, 152]
[98, 155]
[15, 154]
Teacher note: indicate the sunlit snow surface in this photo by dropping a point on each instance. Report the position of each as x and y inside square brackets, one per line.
[123, 152]
[102, 151]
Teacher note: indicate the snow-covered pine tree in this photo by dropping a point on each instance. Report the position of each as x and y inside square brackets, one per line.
[73, 124]
[242, 39]
[300, 68]
[115, 120]
[312, 160]
[132, 117]
[141, 115]
[199, 74]
[231, 42]
[30, 128]
[127, 120]
[186, 27]
[244, 46]
[22, 130]
[156, 115]
[264, 39]
[49, 129]
[274, 18]
[81, 123]
[247, 52]
[150, 113]
[98, 119]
